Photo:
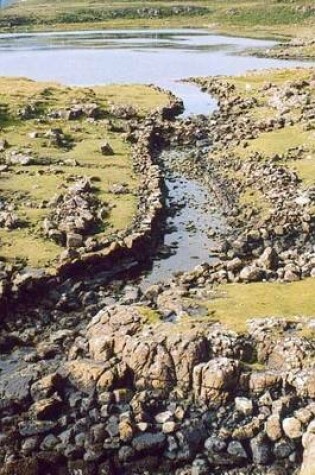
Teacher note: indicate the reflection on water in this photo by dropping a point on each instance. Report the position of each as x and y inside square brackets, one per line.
[192, 222]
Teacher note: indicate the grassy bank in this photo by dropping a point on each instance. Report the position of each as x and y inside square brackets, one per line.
[28, 120]
[234, 304]
[252, 17]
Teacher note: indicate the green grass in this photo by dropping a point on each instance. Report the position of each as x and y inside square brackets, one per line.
[259, 18]
[280, 141]
[305, 168]
[28, 187]
[234, 304]
[151, 317]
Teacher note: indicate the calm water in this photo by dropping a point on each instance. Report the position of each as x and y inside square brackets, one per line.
[159, 57]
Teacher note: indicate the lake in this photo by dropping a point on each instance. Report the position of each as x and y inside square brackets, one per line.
[162, 57]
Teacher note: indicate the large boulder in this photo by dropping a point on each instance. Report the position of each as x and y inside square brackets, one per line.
[215, 381]
[309, 450]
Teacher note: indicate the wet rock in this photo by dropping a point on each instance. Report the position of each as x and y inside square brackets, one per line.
[261, 450]
[149, 442]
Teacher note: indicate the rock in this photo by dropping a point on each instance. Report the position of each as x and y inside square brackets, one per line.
[27, 466]
[200, 466]
[163, 417]
[283, 449]
[309, 450]
[304, 383]
[84, 374]
[304, 415]
[213, 381]
[251, 274]
[273, 428]
[126, 430]
[169, 427]
[46, 408]
[16, 385]
[149, 442]
[30, 444]
[259, 382]
[101, 347]
[28, 429]
[106, 149]
[290, 276]
[234, 265]
[49, 442]
[3, 145]
[215, 444]
[236, 449]
[292, 427]
[261, 450]
[244, 405]
[269, 259]
[46, 386]
[74, 240]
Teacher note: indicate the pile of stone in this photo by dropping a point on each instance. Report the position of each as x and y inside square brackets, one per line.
[74, 216]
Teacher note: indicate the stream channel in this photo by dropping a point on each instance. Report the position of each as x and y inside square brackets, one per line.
[163, 58]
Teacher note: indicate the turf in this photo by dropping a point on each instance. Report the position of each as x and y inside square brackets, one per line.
[28, 187]
[234, 304]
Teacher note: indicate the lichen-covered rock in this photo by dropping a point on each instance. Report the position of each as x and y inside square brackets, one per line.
[259, 382]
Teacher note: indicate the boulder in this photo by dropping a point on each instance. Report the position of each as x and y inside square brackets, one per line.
[106, 149]
[149, 443]
[215, 381]
[308, 441]
[292, 428]
[251, 274]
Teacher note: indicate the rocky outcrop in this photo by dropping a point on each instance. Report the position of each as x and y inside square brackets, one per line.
[129, 391]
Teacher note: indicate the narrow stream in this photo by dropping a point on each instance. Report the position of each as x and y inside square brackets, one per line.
[192, 224]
